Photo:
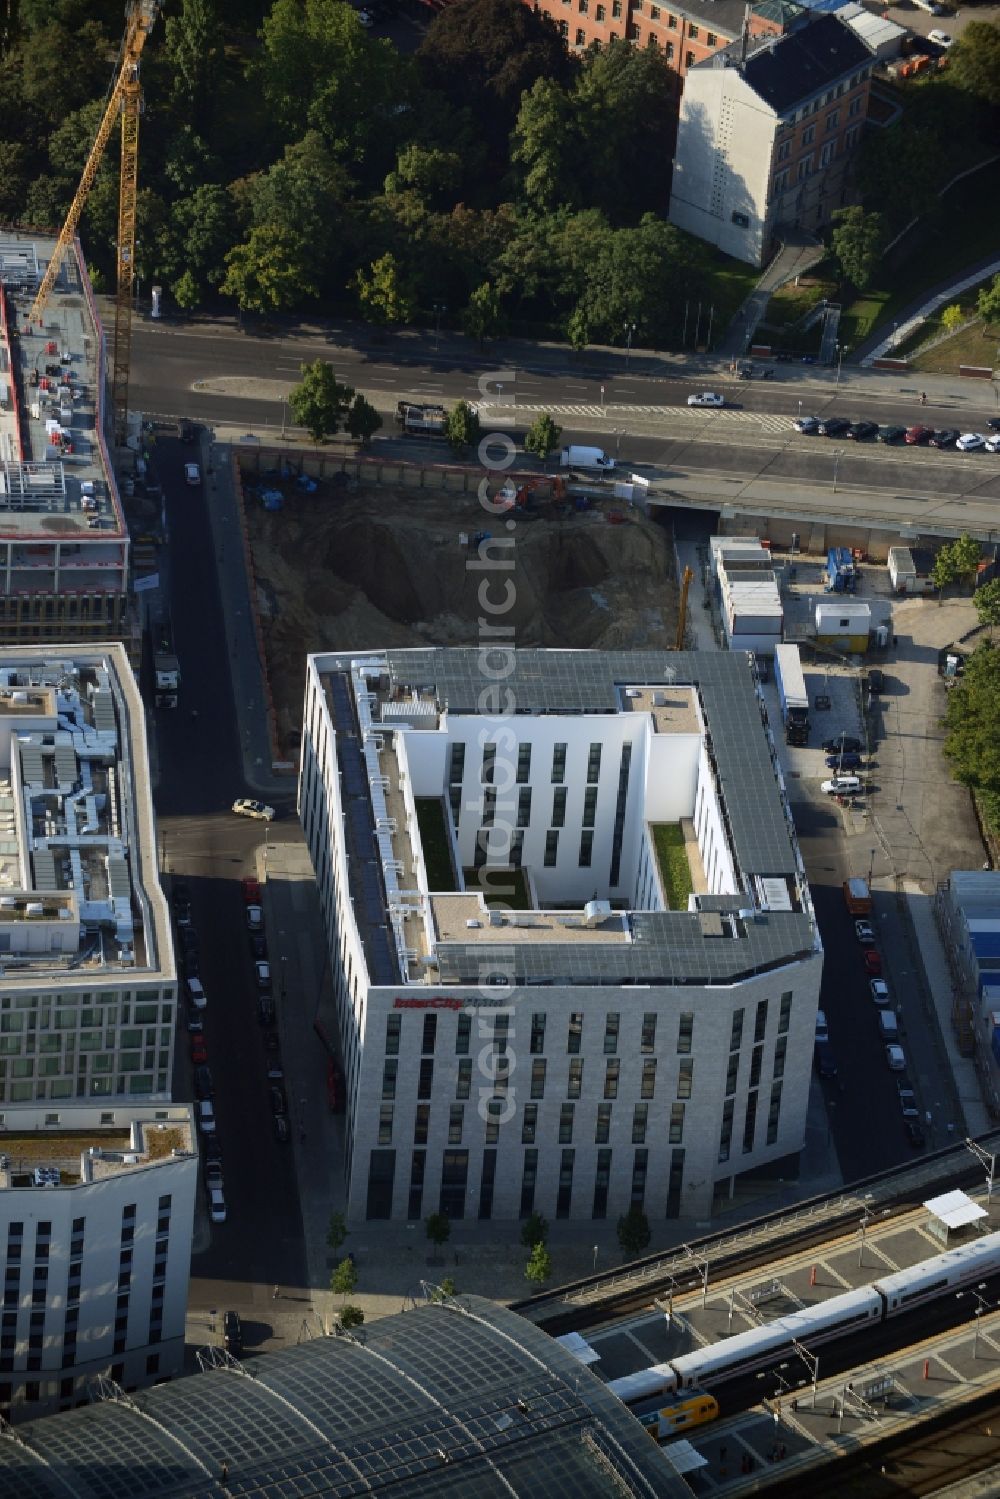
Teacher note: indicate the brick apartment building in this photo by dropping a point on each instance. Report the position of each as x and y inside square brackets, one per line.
[765, 141]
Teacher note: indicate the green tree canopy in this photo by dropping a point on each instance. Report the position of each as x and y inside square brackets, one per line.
[987, 602]
[320, 403]
[988, 302]
[438, 1229]
[974, 61]
[344, 1279]
[193, 50]
[952, 317]
[483, 317]
[336, 1231]
[350, 1316]
[534, 1230]
[539, 1267]
[382, 293]
[463, 428]
[362, 420]
[542, 437]
[633, 1231]
[857, 241]
[270, 271]
[972, 721]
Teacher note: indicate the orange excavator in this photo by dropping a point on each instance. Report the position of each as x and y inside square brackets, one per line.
[515, 496]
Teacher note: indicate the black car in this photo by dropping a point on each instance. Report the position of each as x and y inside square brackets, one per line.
[858, 431]
[212, 1148]
[203, 1082]
[189, 939]
[192, 965]
[915, 1133]
[943, 437]
[258, 946]
[993, 422]
[876, 681]
[845, 742]
[194, 1022]
[891, 434]
[271, 1042]
[265, 1010]
[826, 1062]
[281, 1131]
[833, 426]
[849, 760]
[279, 1103]
[186, 433]
[180, 893]
[232, 1333]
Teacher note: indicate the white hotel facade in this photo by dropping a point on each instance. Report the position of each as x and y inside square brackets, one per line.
[591, 1049]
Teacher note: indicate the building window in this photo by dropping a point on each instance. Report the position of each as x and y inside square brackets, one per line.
[648, 1041]
[462, 1035]
[529, 1124]
[760, 1020]
[524, 807]
[654, 12]
[523, 764]
[612, 1021]
[808, 135]
[586, 848]
[551, 848]
[389, 1080]
[581, 36]
[736, 1034]
[421, 1123]
[750, 1122]
[489, 806]
[774, 1114]
[612, 1071]
[854, 108]
[785, 1012]
[669, 49]
[756, 1062]
[672, 22]
[832, 120]
[780, 1047]
[640, 1166]
[732, 1072]
[711, 39]
[726, 1134]
[564, 1196]
[559, 807]
[489, 763]
[784, 151]
[805, 167]
[594, 764]
[685, 1034]
[494, 1110]
[640, 1117]
[385, 1124]
[564, 33]
[648, 1086]
[566, 1124]
[456, 1116]
[851, 137]
[528, 1178]
[599, 13]
[676, 1123]
[574, 1084]
[430, 1034]
[780, 183]
[537, 1043]
[602, 1178]
[392, 1028]
[538, 1078]
[685, 1077]
[827, 154]
[425, 1078]
[463, 1083]
[456, 764]
[689, 59]
[574, 1039]
[559, 750]
[603, 1131]
[674, 1183]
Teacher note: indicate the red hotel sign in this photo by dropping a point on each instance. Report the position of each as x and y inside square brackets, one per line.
[430, 1004]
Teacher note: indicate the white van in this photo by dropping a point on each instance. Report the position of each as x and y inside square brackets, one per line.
[888, 1025]
[577, 457]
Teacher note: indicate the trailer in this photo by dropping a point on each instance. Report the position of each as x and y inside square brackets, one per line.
[841, 572]
[166, 667]
[424, 421]
[792, 695]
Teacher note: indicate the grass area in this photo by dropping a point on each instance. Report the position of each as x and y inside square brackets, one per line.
[792, 302]
[971, 346]
[436, 843]
[968, 230]
[500, 887]
[671, 856]
[728, 284]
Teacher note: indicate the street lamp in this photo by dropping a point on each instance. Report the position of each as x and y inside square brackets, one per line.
[871, 869]
[838, 453]
[865, 1219]
[982, 1305]
[840, 356]
[619, 433]
[439, 307]
[629, 330]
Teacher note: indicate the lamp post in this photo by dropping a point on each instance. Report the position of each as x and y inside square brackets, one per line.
[439, 307]
[871, 869]
[838, 453]
[982, 1305]
[629, 330]
[840, 357]
[866, 1218]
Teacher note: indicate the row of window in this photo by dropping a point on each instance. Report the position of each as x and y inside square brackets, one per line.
[456, 763]
[494, 1029]
[808, 164]
[529, 1123]
[815, 105]
[655, 14]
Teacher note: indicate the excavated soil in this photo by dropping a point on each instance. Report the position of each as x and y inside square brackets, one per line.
[368, 567]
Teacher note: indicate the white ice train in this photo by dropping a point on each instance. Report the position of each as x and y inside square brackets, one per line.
[892, 1296]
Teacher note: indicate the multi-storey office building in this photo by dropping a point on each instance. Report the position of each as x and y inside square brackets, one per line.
[766, 136]
[87, 975]
[96, 1217]
[64, 543]
[578, 1047]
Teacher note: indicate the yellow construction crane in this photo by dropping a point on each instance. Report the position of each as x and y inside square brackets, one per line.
[124, 97]
[686, 580]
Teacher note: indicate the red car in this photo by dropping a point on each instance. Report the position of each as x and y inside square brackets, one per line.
[917, 434]
[199, 1051]
[251, 891]
[873, 962]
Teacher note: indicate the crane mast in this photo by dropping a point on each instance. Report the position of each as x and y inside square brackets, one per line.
[124, 98]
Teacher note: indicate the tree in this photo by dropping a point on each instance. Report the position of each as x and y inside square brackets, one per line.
[186, 292]
[952, 318]
[577, 330]
[547, 146]
[320, 403]
[988, 302]
[987, 602]
[362, 420]
[434, 175]
[15, 174]
[972, 721]
[438, 1229]
[974, 61]
[901, 169]
[381, 292]
[857, 241]
[193, 241]
[463, 428]
[269, 272]
[957, 561]
[336, 1231]
[193, 49]
[633, 1231]
[344, 1279]
[539, 1266]
[542, 436]
[534, 1230]
[350, 1316]
[944, 571]
[483, 317]
[446, 1288]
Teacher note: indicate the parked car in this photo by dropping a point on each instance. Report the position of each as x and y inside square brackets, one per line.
[216, 1204]
[271, 1041]
[841, 786]
[275, 1071]
[193, 1021]
[822, 1028]
[875, 681]
[833, 426]
[182, 913]
[917, 434]
[279, 1102]
[203, 1086]
[245, 807]
[939, 38]
[265, 1010]
[281, 1131]
[993, 422]
[849, 760]
[263, 972]
[873, 962]
[192, 965]
[880, 991]
[196, 993]
[204, 1112]
[199, 1051]
[993, 443]
[258, 946]
[943, 437]
[706, 398]
[891, 434]
[232, 1333]
[180, 892]
[251, 890]
[864, 933]
[842, 742]
[807, 424]
[192, 474]
[213, 1151]
[914, 1131]
[971, 442]
[858, 431]
[826, 1062]
[255, 918]
[895, 1057]
[907, 1100]
[189, 939]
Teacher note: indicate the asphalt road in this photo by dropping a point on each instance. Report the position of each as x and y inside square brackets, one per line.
[199, 777]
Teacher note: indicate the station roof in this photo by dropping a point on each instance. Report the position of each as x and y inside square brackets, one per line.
[447, 1398]
[955, 1209]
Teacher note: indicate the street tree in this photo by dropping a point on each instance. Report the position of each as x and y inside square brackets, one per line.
[952, 318]
[362, 420]
[542, 437]
[381, 292]
[633, 1231]
[319, 402]
[972, 722]
[944, 571]
[539, 1266]
[577, 330]
[967, 554]
[534, 1230]
[344, 1279]
[350, 1316]
[462, 427]
[974, 61]
[336, 1231]
[857, 240]
[186, 292]
[445, 1288]
[627, 114]
[483, 316]
[988, 303]
[987, 602]
[438, 1229]
[269, 271]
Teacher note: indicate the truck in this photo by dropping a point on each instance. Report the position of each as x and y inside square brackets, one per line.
[857, 896]
[792, 695]
[841, 573]
[166, 667]
[426, 421]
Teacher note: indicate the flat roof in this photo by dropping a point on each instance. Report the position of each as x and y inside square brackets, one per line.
[80, 1149]
[56, 476]
[955, 1209]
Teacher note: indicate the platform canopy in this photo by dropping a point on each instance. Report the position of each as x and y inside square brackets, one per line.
[955, 1209]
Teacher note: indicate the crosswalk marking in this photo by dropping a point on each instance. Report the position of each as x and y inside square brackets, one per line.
[765, 420]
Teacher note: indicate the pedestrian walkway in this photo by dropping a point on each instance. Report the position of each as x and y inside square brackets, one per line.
[798, 253]
[881, 344]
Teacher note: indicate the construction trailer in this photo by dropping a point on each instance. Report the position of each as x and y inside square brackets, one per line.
[791, 684]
